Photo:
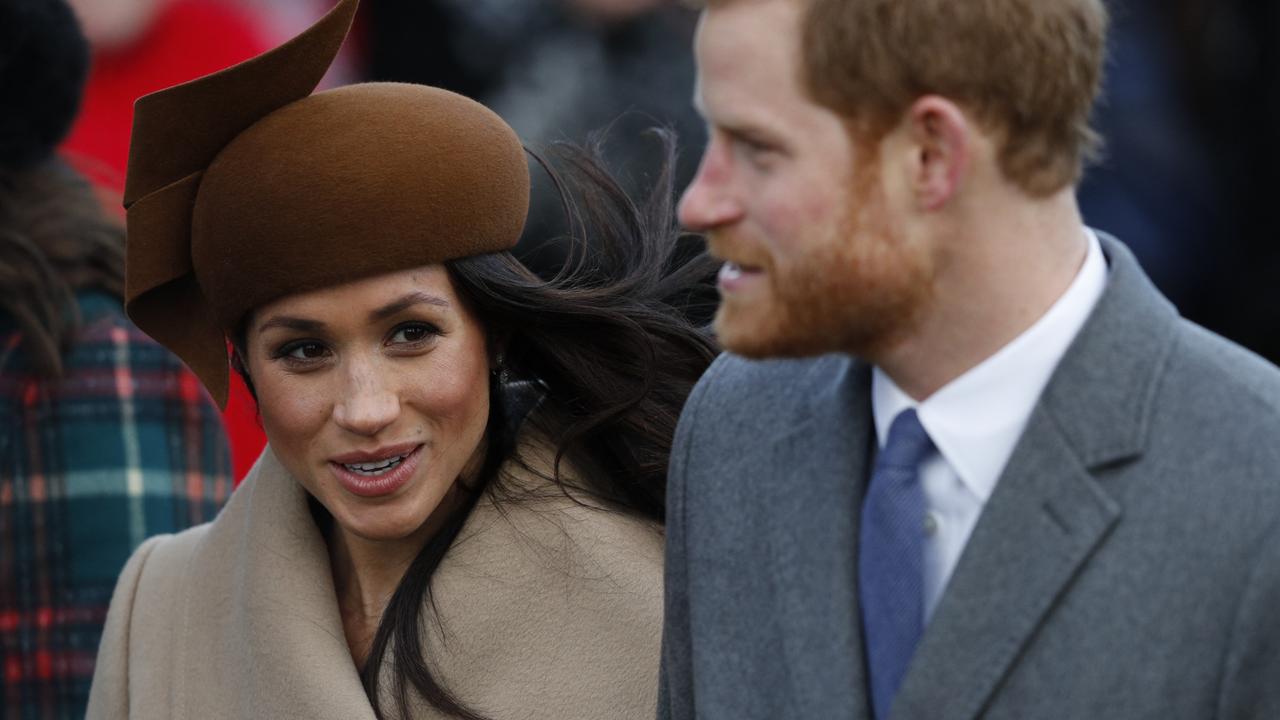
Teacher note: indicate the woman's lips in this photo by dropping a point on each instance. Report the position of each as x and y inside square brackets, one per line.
[375, 481]
[735, 278]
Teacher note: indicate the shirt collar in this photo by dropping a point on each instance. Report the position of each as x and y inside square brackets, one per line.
[976, 420]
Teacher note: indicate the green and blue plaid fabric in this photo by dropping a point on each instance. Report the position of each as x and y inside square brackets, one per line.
[126, 445]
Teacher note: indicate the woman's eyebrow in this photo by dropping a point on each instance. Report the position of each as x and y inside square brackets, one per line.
[291, 323]
[406, 302]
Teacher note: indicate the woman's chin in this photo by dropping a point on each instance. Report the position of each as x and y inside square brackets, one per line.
[390, 520]
[384, 517]
[383, 524]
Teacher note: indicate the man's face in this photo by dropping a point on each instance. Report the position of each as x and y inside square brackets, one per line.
[816, 259]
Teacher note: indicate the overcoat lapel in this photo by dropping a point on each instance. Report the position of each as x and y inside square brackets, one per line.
[543, 604]
[1049, 513]
[276, 648]
[816, 477]
[1040, 526]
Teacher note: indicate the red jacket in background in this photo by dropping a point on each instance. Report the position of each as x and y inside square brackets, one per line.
[188, 39]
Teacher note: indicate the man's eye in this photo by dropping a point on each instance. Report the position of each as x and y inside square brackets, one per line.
[755, 151]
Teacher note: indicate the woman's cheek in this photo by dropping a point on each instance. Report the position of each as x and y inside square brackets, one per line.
[293, 417]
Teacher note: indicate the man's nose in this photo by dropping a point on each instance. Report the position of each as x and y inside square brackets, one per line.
[709, 202]
[368, 405]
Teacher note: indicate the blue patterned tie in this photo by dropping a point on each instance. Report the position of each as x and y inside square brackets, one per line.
[891, 559]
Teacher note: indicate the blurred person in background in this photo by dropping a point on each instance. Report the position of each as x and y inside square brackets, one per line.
[138, 47]
[282, 19]
[1227, 59]
[1187, 177]
[105, 438]
[556, 70]
[1157, 186]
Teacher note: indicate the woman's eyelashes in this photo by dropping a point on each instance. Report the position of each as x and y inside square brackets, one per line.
[308, 353]
[302, 353]
[413, 334]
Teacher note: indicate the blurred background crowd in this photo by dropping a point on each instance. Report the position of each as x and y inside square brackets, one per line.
[1191, 115]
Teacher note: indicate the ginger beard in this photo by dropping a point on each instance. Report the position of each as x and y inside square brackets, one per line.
[855, 286]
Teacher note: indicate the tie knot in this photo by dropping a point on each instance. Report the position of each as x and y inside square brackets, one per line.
[908, 443]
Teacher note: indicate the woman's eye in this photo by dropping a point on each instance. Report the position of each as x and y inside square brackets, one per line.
[414, 333]
[303, 351]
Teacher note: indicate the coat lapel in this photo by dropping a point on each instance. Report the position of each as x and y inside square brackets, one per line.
[264, 636]
[1045, 519]
[817, 472]
[1049, 513]
[535, 609]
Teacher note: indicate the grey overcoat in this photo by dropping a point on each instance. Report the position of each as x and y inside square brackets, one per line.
[1127, 566]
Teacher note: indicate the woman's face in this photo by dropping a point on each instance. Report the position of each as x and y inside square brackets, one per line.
[374, 395]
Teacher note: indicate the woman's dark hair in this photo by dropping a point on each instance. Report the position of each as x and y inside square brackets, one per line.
[54, 242]
[607, 348]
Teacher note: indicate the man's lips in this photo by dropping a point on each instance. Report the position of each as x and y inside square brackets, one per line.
[734, 277]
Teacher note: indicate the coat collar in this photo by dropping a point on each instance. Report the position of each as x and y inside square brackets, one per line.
[822, 459]
[1049, 513]
[276, 645]
[1102, 393]
[261, 633]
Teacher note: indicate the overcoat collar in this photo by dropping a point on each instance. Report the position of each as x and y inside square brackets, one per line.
[1049, 513]
[825, 453]
[542, 604]
[276, 646]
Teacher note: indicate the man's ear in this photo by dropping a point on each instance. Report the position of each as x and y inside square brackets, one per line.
[943, 145]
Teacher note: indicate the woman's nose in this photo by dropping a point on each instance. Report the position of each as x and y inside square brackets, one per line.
[368, 404]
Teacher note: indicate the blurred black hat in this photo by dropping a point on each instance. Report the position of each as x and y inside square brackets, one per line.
[44, 59]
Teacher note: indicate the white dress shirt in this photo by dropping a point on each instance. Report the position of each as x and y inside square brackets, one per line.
[976, 420]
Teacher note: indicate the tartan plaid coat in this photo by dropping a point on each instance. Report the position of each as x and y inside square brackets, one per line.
[125, 445]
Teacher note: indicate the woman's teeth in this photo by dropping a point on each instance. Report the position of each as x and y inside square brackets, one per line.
[374, 469]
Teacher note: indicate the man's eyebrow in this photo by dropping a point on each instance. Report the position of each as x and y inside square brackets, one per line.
[404, 303]
[751, 133]
[739, 128]
[291, 323]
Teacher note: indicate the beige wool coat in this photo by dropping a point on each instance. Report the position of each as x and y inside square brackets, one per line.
[547, 610]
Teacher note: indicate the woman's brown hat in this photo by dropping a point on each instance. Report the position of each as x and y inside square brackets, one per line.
[244, 188]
